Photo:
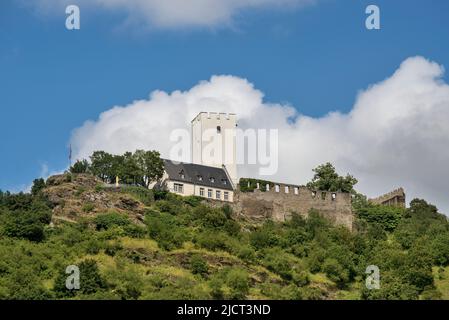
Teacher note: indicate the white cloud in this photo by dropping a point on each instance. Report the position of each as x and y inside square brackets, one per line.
[173, 13]
[397, 133]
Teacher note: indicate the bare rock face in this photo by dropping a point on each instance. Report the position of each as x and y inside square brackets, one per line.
[257, 209]
[74, 196]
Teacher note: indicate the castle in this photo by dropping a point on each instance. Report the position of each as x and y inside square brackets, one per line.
[215, 178]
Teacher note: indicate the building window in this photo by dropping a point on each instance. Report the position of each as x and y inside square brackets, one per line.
[202, 192]
[267, 187]
[323, 195]
[276, 188]
[218, 129]
[179, 188]
[181, 174]
[200, 178]
[257, 186]
[224, 181]
[286, 189]
[334, 196]
[217, 194]
[226, 196]
[212, 179]
[313, 194]
[209, 193]
[296, 190]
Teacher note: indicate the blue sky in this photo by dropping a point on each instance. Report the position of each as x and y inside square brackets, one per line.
[315, 58]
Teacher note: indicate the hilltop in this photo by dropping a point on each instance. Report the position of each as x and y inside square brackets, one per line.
[134, 243]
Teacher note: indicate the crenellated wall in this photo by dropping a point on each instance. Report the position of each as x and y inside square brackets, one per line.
[394, 198]
[278, 204]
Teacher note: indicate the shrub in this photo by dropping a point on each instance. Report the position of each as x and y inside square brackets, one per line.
[107, 220]
[112, 248]
[335, 271]
[193, 201]
[198, 265]
[25, 225]
[93, 246]
[88, 207]
[142, 194]
[232, 227]
[247, 254]
[278, 262]
[90, 278]
[249, 185]
[238, 281]
[385, 216]
[212, 240]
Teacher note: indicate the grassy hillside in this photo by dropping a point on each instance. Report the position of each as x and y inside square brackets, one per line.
[130, 243]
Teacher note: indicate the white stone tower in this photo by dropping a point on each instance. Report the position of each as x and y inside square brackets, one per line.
[214, 141]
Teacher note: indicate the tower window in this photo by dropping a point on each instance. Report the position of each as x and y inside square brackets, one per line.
[218, 129]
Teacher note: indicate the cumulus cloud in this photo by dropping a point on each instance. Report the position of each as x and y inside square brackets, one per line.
[397, 133]
[174, 13]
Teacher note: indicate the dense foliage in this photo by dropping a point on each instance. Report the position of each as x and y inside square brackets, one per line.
[181, 248]
[249, 184]
[327, 179]
[138, 168]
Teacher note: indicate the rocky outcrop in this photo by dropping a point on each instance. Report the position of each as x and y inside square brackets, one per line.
[74, 196]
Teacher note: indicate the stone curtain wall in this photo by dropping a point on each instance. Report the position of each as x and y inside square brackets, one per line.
[279, 206]
[393, 198]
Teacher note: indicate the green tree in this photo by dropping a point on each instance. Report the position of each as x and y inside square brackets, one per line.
[38, 186]
[102, 165]
[90, 279]
[80, 166]
[150, 165]
[327, 179]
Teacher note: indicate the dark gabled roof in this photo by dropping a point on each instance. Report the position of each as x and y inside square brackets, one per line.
[191, 173]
